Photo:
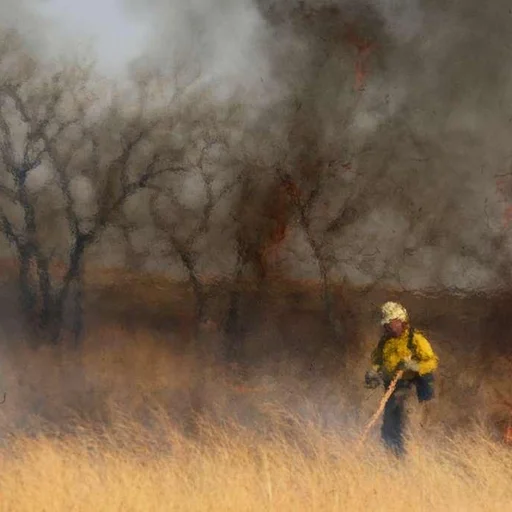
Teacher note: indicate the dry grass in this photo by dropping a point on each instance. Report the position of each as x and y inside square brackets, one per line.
[128, 424]
[235, 469]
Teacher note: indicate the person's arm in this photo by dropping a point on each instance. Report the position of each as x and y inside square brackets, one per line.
[373, 377]
[424, 355]
[376, 356]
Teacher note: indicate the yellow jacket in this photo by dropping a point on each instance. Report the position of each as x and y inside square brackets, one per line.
[390, 352]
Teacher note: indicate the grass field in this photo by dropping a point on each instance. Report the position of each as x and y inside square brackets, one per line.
[136, 421]
[128, 425]
[235, 469]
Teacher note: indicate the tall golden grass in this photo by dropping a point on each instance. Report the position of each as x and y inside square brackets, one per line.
[126, 424]
[234, 469]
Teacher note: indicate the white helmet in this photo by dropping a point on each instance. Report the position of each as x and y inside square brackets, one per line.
[393, 311]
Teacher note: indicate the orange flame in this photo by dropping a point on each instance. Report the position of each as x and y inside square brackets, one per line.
[507, 437]
[280, 217]
[507, 216]
[363, 47]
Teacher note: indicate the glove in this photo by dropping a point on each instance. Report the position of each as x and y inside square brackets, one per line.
[409, 365]
[372, 379]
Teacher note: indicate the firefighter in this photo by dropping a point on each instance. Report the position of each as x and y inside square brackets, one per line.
[400, 348]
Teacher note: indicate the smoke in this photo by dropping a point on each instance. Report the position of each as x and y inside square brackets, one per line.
[73, 30]
[437, 95]
[424, 80]
[421, 85]
[222, 42]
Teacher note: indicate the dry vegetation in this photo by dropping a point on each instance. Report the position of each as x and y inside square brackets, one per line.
[236, 469]
[364, 156]
[131, 422]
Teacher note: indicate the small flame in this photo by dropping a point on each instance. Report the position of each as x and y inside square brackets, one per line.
[288, 191]
[507, 216]
[363, 47]
[508, 433]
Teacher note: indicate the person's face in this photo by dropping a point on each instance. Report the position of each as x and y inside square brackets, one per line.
[395, 327]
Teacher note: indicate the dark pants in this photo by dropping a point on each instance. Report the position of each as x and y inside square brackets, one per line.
[395, 413]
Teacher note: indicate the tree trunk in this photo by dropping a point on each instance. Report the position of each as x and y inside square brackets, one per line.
[232, 329]
[72, 277]
[78, 314]
[45, 293]
[27, 295]
[331, 314]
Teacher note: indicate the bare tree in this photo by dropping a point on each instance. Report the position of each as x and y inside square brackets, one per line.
[185, 223]
[253, 229]
[70, 161]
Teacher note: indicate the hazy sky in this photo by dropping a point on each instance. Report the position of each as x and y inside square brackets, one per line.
[221, 38]
[102, 25]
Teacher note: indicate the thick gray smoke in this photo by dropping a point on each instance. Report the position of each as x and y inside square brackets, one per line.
[223, 42]
[434, 103]
[412, 97]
